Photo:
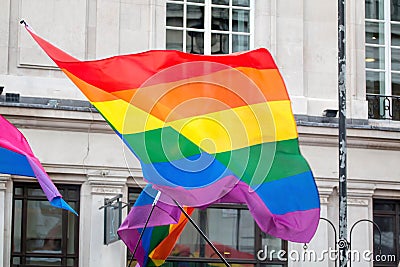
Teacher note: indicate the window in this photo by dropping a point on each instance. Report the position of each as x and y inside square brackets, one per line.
[382, 58]
[133, 194]
[209, 26]
[43, 235]
[230, 228]
[387, 216]
[232, 231]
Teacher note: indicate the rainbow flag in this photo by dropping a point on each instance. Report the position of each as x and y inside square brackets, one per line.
[17, 158]
[206, 129]
[163, 229]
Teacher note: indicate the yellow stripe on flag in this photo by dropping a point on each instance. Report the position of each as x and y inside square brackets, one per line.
[239, 127]
[126, 118]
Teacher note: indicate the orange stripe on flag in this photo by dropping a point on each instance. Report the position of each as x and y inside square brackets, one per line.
[162, 251]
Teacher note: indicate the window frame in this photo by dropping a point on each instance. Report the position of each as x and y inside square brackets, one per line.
[64, 255]
[385, 104]
[257, 241]
[208, 31]
[395, 214]
[257, 245]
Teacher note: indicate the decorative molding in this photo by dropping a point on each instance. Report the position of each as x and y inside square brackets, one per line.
[325, 189]
[56, 120]
[4, 178]
[324, 139]
[73, 169]
[106, 182]
[355, 190]
[357, 201]
[84, 121]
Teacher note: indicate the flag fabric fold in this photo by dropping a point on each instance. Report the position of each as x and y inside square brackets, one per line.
[17, 158]
[163, 229]
[207, 129]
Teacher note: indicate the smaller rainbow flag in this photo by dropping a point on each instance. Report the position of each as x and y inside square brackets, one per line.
[163, 229]
[17, 158]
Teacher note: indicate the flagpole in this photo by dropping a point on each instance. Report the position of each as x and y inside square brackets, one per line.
[145, 226]
[343, 243]
[202, 234]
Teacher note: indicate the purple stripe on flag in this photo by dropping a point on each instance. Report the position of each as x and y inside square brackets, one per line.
[297, 226]
[47, 185]
[130, 238]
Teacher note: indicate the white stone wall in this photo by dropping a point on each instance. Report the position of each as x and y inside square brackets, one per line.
[79, 148]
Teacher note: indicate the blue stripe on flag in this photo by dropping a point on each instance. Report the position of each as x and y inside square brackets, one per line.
[294, 193]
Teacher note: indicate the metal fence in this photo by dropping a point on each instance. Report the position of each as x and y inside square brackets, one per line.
[383, 107]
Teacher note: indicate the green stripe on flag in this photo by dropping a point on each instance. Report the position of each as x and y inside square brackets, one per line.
[161, 145]
[265, 162]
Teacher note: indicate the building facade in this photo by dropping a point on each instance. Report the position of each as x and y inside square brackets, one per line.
[89, 163]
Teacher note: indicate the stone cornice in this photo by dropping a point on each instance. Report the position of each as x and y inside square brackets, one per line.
[90, 169]
[79, 121]
[4, 178]
[56, 120]
[356, 138]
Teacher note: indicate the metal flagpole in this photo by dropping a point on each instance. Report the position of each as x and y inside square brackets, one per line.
[145, 226]
[202, 234]
[343, 244]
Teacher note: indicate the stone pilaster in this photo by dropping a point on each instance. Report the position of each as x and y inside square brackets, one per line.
[4, 239]
[101, 184]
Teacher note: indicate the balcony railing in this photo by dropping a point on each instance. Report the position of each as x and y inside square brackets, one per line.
[383, 107]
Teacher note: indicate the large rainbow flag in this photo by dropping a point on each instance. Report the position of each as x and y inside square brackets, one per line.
[206, 129]
[17, 158]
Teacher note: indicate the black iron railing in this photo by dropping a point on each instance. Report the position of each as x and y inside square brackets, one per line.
[383, 107]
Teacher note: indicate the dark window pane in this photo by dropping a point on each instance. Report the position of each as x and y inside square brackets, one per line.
[374, 33]
[196, 1]
[271, 242]
[236, 238]
[396, 84]
[240, 43]
[132, 196]
[16, 260]
[375, 57]
[246, 237]
[174, 40]
[42, 261]
[395, 34]
[395, 59]
[240, 20]
[374, 9]
[195, 42]
[195, 17]
[17, 225]
[384, 206]
[70, 262]
[241, 3]
[73, 195]
[36, 192]
[386, 225]
[174, 15]
[375, 82]
[220, 19]
[220, 2]
[190, 241]
[71, 238]
[44, 225]
[219, 43]
[18, 191]
[395, 10]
